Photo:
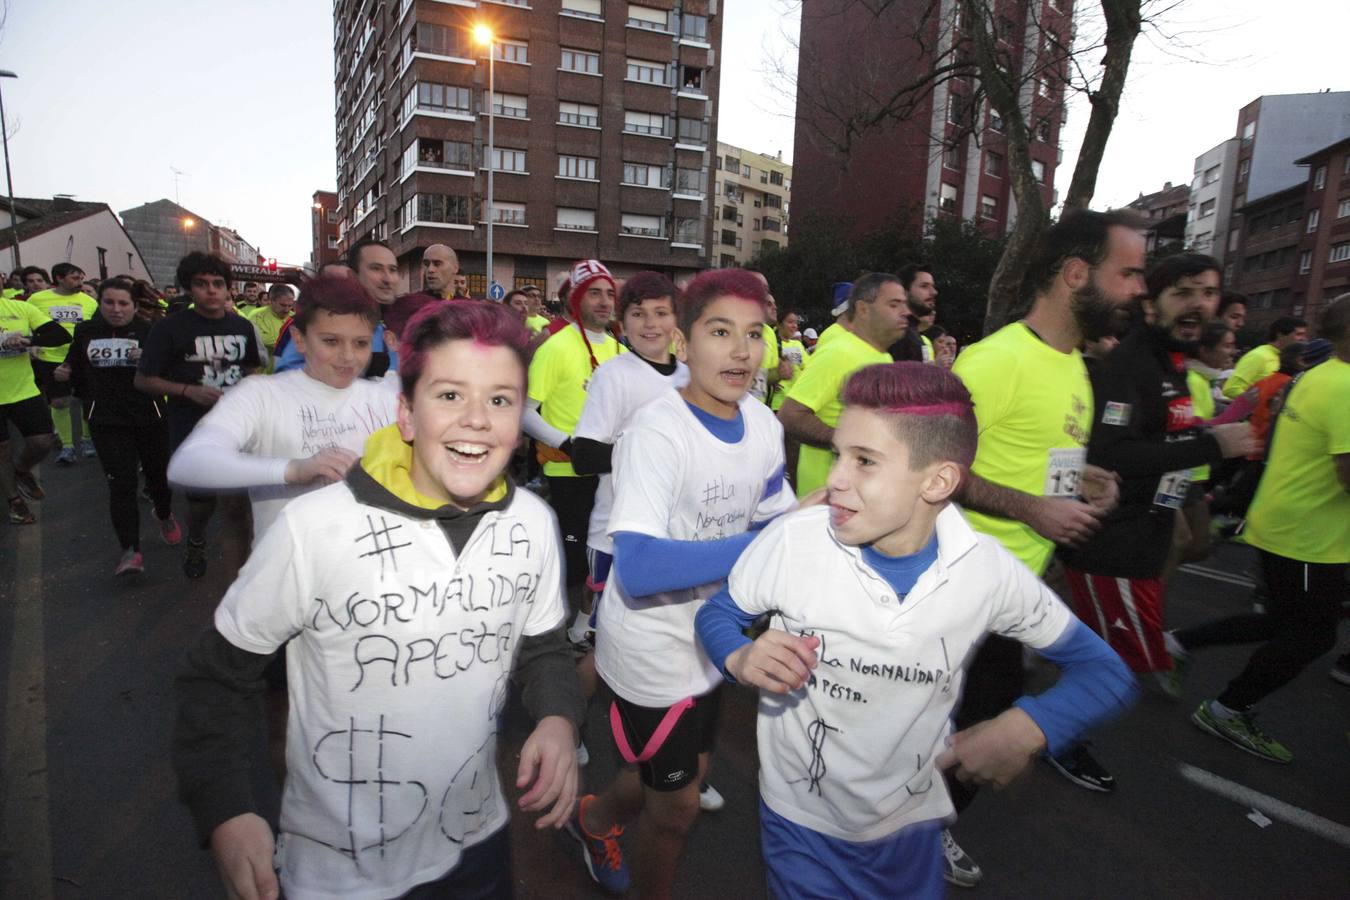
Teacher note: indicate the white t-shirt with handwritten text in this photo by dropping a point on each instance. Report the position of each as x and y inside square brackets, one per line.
[851, 755]
[619, 388]
[673, 479]
[291, 416]
[397, 663]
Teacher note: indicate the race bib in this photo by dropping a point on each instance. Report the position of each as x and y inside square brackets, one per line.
[1064, 470]
[10, 351]
[1172, 489]
[759, 388]
[65, 313]
[107, 353]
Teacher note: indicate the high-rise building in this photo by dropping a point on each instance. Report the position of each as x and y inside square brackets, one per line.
[944, 157]
[605, 124]
[324, 217]
[1211, 200]
[753, 193]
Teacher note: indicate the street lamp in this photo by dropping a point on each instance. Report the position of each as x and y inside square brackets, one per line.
[9, 182]
[483, 35]
[188, 223]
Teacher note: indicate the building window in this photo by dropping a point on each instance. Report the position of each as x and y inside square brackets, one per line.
[332, 242]
[428, 153]
[768, 223]
[1340, 253]
[511, 105]
[691, 79]
[646, 17]
[728, 213]
[1212, 174]
[947, 198]
[691, 181]
[508, 213]
[773, 201]
[1042, 131]
[1320, 178]
[646, 71]
[1248, 133]
[692, 131]
[438, 98]
[444, 209]
[578, 114]
[1314, 217]
[505, 160]
[332, 217]
[993, 164]
[576, 167]
[988, 206]
[995, 121]
[1343, 209]
[693, 27]
[956, 105]
[729, 238]
[1233, 237]
[951, 157]
[642, 226]
[776, 178]
[581, 61]
[643, 175]
[644, 123]
[576, 219]
[1244, 168]
[1207, 208]
[589, 9]
[1038, 170]
[504, 50]
[733, 165]
[438, 41]
[687, 230]
[1305, 262]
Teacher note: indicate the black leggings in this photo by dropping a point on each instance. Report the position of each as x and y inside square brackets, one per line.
[123, 451]
[1298, 626]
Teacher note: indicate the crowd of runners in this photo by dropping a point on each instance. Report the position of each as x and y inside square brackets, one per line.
[632, 492]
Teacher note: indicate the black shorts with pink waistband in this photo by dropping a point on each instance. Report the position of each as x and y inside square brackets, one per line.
[674, 765]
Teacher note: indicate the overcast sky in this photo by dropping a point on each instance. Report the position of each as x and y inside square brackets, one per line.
[238, 94]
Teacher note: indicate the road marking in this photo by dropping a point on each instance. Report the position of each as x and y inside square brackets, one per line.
[1217, 575]
[1275, 809]
[27, 831]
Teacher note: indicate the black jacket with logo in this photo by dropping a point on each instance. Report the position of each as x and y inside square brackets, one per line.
[1143, 427]
[102, 374]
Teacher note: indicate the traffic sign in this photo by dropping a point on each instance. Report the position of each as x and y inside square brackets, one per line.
[496, 292]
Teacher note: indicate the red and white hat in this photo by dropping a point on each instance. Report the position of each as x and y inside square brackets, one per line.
[583, 275]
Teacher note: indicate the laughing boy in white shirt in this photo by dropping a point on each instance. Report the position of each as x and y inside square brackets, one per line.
[877, 604]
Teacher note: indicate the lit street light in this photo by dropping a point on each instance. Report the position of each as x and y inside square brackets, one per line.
[483, 35]
[9, 182]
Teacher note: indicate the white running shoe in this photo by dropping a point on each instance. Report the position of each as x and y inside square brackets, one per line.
[957, 867]
[709, 800]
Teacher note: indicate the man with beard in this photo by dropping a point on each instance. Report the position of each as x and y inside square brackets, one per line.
[1145, 429]
[921, 295]
[1030, 486]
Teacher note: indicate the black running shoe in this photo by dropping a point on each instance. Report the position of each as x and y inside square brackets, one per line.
[1078, 766]
[194, 564]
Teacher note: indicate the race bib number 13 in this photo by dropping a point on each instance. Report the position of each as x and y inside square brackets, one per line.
[1063, 471]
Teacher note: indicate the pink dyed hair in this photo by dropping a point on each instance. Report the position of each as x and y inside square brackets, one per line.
[490, 324]
[933, 412]
[708, 286]
[337, 296]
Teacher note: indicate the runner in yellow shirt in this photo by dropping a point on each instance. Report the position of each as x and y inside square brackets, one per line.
[559, 375]
[877, 307]
[793, 353]
[1299, 523]
[23, 325]
[67, 304]
[1265, 359]
[270, 317]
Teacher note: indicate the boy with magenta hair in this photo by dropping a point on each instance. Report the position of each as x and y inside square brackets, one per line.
[877, 602]
[410, 592]
[695, 471]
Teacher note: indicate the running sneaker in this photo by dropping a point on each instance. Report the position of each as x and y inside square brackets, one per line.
[169, 530]
[581, 633]
[957, 867]
[131, 563]
[87, 449]
[19, 513]
[602, 854]
[709, 799]
[1340, 670]
[1082, 769]
[1242, 732]
[66, 457]
[194, 564]
[27, 483]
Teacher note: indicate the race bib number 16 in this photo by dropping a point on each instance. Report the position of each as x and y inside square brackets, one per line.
[1063, 471]
[1172, 489]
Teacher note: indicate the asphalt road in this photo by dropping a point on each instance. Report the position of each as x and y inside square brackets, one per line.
[89, 808]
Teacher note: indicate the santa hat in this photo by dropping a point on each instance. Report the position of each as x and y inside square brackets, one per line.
[583, 275]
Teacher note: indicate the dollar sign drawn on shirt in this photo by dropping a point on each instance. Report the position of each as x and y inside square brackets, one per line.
[816, 732]
[377, 804]
[467, 803]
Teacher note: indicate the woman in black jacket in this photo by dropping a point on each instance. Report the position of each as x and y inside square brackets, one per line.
[127, 426]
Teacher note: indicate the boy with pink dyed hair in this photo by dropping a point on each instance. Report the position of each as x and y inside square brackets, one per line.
[877, 601]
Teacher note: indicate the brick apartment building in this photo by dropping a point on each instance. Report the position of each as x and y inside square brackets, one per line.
[946, 158]
[166, 232]
[1165, 211]
[753, 192]
[324, 232]
[605, 132]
